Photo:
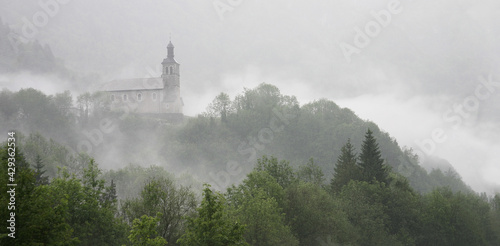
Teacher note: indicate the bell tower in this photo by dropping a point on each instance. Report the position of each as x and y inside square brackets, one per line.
[171, 71]
[172, 101]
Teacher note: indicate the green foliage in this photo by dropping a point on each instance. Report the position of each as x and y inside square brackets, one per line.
[371, 162]
[494, 234]
[39, 171]
[49, 152]
[456, 219]
[450, 178]
[280, 170]
[279, 202]
[31, 110]
[257, 181]
[161, 196]
[404, 209]
[313, 214]
[40, 211]
[363, 204]
[345, 168]
[264, 221]
[130, 180]
[90, 213]
[212, 226]
[311, 173]
[144, 232]
[258, 203]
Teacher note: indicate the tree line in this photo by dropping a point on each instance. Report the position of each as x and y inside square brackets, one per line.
[317, 129]
[364, 203]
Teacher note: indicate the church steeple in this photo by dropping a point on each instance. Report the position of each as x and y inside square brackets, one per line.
[170, 50]
[171, 70]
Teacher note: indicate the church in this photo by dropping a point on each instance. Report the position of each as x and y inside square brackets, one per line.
[155, 97]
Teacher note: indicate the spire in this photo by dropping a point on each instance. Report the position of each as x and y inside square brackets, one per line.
[170, 50]
[170, 54]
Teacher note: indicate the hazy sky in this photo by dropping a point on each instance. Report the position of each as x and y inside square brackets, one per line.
[413, 67]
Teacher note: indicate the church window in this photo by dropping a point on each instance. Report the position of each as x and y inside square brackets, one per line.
[171, 70]
[125, 97]
[139, 97]
[112, 98]
[154, 96]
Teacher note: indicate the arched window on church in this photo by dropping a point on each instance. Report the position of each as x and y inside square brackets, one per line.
[112, 98]
[154, 96]
[139, 97]
[171, 70]
[125, 97]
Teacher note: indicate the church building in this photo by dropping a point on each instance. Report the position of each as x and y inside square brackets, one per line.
[157, 97]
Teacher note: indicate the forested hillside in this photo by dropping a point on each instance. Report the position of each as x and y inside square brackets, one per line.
[20, 53]
[275, 173]
[259, 121]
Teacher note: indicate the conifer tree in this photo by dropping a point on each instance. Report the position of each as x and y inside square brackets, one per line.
[371, 162]
[39, 171]
[345, 168]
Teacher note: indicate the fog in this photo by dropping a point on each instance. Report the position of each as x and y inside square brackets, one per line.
[426, 59]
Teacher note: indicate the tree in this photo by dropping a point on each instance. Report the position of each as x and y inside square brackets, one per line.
[264, 220]
[363, 204]
[40, 212]
[495, 219]
[220, 107]
[144, 231]
[109, 196]
[256, 181]
[37, 112]
[63, 100]
[345, 169]
[311, 173]
[39, 171]
[404, 208]
[258, 203]
[212, 226]
[90, 215]
[281, 171]
[455, 219]
[162, 196]
[371, 162]
[313, 214]
[95, 104]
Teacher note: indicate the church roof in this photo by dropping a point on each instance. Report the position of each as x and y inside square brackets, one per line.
[133, 84]
[169, 60]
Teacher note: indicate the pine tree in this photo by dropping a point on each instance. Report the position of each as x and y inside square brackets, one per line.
[39, 171]
[345, 168]
[371, 162]
[109, 197]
